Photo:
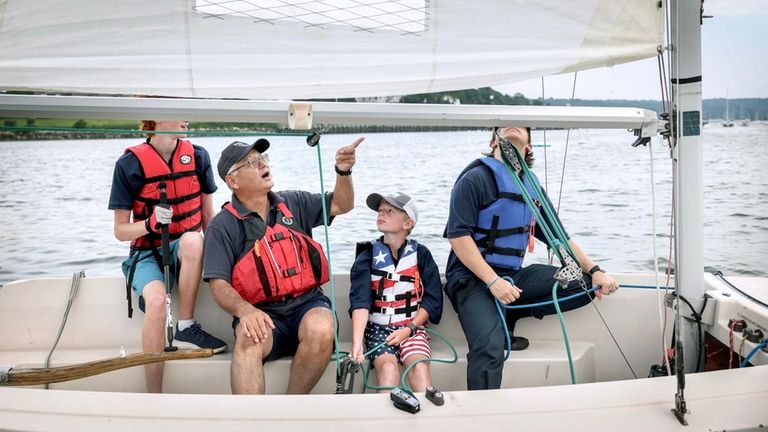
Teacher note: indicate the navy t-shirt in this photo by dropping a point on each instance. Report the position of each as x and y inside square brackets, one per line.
[361, 294]
[225, 234]
[473, 191]
[128, 178]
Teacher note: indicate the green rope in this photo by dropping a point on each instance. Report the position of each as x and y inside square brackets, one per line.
[565, 332]
[336, 355]
[555, 239]
[404, 374]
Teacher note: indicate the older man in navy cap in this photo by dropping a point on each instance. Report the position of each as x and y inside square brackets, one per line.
[266, 270]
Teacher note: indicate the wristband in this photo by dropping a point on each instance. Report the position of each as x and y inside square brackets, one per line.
[412, 326]
[342, 173]
[490, 284]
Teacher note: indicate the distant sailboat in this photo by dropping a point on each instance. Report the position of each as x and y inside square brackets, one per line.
[728, 122]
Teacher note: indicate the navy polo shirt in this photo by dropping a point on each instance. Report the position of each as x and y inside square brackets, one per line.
[474, 191]
[361, 294]
[128, 178]
[225, 234]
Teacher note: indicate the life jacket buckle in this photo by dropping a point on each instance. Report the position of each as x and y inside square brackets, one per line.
[388, 310]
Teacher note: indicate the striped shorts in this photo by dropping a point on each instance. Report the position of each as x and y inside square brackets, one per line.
[416, 344]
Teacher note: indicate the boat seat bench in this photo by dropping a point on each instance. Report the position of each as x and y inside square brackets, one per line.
[542, 361]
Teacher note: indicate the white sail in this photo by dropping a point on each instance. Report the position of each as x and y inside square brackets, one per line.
[295, 49]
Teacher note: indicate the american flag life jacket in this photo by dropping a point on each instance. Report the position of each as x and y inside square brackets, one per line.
[397, 290]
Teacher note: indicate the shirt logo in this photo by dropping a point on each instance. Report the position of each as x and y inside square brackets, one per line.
[185, 159]
[287, 220]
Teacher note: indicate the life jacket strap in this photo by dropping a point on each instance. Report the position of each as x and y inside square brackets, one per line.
[511, 195]
[170, 176]
[176, 200]
[504, 232]
[397, 297]
[385, 310]
[393, 276]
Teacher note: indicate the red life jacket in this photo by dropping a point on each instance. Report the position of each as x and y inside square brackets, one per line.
[182, 189]
[283, 262]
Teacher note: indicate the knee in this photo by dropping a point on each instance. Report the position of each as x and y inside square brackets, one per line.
[319, 330]
[246, 345]
[490, 348]
[191, 246]
[322, 337]
[387, 365]
[420, 369]
[154, 299]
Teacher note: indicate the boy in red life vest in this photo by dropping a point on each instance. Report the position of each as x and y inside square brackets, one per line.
[186, 171]
[266, 270]
[395, 288]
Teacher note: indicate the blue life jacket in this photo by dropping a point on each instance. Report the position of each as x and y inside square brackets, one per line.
[503, 227]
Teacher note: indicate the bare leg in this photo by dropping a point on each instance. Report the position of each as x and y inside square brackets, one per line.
[418, 377]
[314, 351]
[153, 332]
[387, 371]
[190, 270]
[247, 371]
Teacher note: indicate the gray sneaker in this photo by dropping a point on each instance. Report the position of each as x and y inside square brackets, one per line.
[200, 338]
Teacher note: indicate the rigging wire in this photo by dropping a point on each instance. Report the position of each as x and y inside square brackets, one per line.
[565, 153]
[546, 165]
[615, 342]
[659, 298]
[557, 210]
[664, 84]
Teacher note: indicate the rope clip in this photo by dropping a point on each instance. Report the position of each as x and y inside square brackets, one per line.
[345, 378]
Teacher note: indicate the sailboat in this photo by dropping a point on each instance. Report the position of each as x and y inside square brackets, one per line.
[727, 122]
[212, 61]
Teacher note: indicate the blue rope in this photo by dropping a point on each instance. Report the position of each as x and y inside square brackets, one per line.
[556, 301]
[753, 352]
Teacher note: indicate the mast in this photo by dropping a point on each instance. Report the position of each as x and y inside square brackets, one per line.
[685, 33]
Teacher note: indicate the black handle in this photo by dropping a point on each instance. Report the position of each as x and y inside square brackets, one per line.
[165, 236]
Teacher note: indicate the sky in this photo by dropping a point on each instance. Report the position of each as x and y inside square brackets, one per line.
[734, 62]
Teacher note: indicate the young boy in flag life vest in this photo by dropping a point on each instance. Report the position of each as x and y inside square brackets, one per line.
[395, 289]
[266, 270]
[189, 182]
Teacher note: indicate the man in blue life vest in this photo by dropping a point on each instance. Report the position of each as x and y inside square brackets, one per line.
[265, 269]
[186, 171]
[489, 229]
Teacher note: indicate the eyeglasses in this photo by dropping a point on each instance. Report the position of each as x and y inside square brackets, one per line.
[254, 162]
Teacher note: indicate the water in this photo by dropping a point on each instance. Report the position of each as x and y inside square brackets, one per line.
[54, 196]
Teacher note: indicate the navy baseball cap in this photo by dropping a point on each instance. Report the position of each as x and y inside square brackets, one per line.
[236, 151]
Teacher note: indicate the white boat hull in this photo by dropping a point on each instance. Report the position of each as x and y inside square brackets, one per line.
[536, 393]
